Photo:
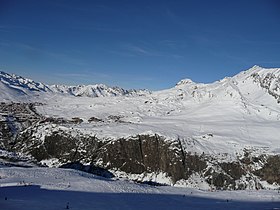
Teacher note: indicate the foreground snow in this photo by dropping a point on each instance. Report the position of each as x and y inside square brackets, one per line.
[49, 188]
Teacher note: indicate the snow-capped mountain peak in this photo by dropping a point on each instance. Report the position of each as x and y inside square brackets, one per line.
[267, 79]
[98, 90]
[254, 84]
[20, 83]
[185, 82]
[258, 70]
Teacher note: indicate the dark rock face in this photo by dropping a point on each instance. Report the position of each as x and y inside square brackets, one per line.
[233, 169]
[226, 176]
[221, 181]
[267, 82]
[89, 169]
[60, 145]
[15, 117]
[135, 155]
[271, 170]
[6, 134]
[195, 163]
[145, 153]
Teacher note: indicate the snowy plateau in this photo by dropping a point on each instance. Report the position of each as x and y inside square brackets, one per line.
[193, 146]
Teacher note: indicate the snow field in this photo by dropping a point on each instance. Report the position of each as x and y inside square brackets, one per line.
[49, 188]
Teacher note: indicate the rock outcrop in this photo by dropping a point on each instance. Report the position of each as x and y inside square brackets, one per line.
[140, 154]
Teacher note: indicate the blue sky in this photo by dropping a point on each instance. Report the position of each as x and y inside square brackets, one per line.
[137, 43]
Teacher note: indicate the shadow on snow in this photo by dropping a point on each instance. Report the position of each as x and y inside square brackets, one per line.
[33, 197]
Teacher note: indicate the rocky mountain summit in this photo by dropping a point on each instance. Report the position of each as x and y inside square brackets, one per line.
[223, 135]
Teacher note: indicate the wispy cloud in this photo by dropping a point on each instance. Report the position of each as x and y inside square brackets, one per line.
[175, 18]
[269, 62]
[71, 75]
[229, 56]
[97, 27]
[133, 50]
[32, 51]
[78, 76]
[121, 53]
[169, 43]
[212, 36]
[142, 50]
[260, 42]
[85, 74]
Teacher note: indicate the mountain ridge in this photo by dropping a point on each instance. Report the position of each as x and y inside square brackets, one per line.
[27, 87]
[98, 90]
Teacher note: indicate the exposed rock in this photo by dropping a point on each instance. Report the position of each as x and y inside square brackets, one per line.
[23, 130]
[194, 163]
[271, 170]
[234, 169]
[270, 82]
[145, 153]
[60, 145]
[221, 181]
[89, 169]
[94, 119]
[76, 120]
[116, 118]
[14, 118]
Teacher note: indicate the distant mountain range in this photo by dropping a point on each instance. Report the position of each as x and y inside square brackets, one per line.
[268, 79]
[14, 86]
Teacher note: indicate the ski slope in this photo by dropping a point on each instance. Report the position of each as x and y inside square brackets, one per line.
[49, 188]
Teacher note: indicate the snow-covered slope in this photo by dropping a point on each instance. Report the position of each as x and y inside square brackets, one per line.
[17, 88]
[238, 112]
[22, 84]
[42, 188]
